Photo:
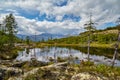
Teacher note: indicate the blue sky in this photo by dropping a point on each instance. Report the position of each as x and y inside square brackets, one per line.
[60, 16]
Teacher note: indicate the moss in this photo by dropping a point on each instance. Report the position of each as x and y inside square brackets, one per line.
[66, 72]
[87, 63]
[51, 59]
[59, 59]
[9, 54]
[32, 64]
[42, 75]
[101, 69]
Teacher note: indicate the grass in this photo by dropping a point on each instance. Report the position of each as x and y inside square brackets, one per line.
[100, 69]
[93, 44]
[66, 72]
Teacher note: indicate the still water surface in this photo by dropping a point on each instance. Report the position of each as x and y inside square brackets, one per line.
[44, 54]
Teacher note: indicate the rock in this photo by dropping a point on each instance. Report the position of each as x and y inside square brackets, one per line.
[6, 72]
[1, 76]
[13, 78]
[87, 76]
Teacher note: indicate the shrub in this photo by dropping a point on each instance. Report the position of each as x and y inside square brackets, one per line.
[87, 63]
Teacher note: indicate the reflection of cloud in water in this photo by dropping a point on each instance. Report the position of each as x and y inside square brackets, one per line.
[45, 53]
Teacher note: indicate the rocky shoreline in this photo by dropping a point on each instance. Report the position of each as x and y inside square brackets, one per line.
[14, 70]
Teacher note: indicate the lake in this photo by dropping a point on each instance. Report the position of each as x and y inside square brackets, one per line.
[44, 54]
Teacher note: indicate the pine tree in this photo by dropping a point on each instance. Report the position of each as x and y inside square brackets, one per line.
[90, 28]
[10, 28]
[28, 40]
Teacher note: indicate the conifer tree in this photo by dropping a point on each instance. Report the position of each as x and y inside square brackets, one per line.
[89, 26]
[10, 28]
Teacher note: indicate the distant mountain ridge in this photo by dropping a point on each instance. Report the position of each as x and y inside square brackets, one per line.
[43, 36]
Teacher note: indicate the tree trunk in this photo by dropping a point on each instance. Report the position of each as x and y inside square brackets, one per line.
[88, 50]
[114, 56]
[34, 53]
[116, 48]
[55, 56]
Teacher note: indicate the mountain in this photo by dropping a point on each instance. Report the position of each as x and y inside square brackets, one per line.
[21, 36]
[106, 36]
[42, 36]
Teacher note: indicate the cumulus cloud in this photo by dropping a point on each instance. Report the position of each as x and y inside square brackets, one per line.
[103, 11]
[33, 26]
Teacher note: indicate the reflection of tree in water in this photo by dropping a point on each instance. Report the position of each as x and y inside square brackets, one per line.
[45, 49]
[70, 58]
[96, 51]
[55, 55]
[24, 53]
[42, 50]
[61, 51]
[27, 50]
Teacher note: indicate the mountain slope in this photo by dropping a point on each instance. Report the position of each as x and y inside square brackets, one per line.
[106, 36]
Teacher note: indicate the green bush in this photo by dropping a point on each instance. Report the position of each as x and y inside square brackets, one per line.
[87, 63]
[59, 59]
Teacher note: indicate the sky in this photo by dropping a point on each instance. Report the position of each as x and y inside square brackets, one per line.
[65, 17]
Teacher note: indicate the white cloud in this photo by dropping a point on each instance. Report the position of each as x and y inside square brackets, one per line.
[31, 26]
[59, 18]
[104, 11]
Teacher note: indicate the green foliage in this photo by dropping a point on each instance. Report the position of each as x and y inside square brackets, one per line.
[87, 63]
[112, 28]
[82, 39]
[7, 54]
[51, 59]
[42, 75]
[59, 59]
[3, 39]
[67, 71]
[106, 38]
[98, 36]
[107, 71]
[7, 37]
[27, 40]
[89, 26]
[101, 68]
[7, 32]
[10, 28]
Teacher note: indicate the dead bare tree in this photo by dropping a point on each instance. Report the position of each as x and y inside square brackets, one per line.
[117, 43]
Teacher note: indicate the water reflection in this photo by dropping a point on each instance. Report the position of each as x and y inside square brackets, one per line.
[44, 54]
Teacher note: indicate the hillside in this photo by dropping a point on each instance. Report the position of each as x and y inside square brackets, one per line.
[106, 36]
